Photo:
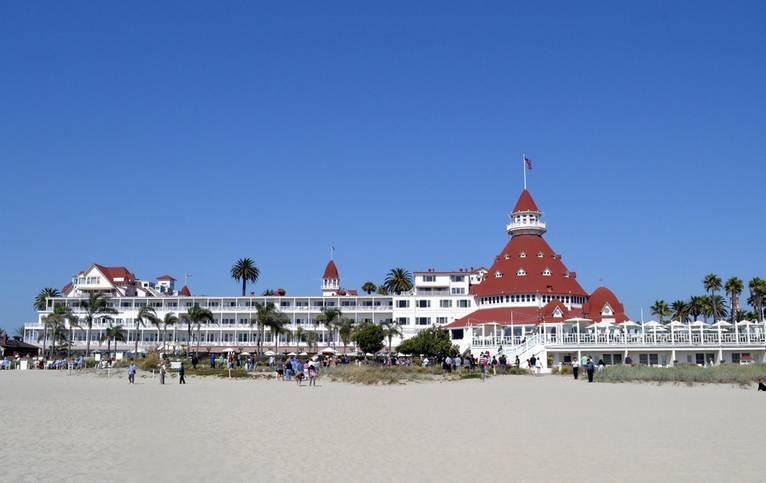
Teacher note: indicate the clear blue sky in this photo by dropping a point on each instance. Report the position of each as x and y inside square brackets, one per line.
[176, 137]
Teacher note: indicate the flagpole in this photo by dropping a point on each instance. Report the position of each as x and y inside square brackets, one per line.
[524, 168]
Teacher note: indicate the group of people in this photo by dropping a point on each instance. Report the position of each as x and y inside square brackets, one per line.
[294, 368]
[590, 367]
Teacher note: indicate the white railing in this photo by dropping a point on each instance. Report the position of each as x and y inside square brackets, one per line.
[621, 339]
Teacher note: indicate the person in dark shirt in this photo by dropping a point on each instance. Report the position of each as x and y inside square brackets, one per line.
[761, 385]
[589, 368]
[181, 372]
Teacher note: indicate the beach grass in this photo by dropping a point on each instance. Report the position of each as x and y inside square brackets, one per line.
[687, 373]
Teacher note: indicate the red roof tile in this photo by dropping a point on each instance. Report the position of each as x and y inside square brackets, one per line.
[510, 261]
[525, 203]
[598, 300]
[331, 271]
[116, 272]
[501, 315]
[166, 277]
[67, 288]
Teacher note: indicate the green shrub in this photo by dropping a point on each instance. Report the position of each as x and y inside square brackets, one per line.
[723, 373]
[150, 362]
[432, 341]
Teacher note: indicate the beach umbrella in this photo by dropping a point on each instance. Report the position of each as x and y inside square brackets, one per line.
[292, 354]
[303, 354]
[245, 354]
[722, 324]
[652, 323]
[676, 323]
[745, 323]
[269, 353]
[329, 350]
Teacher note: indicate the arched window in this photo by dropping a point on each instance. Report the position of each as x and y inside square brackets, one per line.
[521, 272]
[498, 274]
[523, 254]
[540, 254]
[547, 272]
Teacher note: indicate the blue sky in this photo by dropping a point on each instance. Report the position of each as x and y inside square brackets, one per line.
[176, 137]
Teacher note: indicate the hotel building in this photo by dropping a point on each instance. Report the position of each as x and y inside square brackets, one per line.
[527, 303]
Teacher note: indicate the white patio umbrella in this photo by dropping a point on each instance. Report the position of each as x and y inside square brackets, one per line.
[652, 324]
[722, 324]
[746, 324]
[328, 350]
[676, 324]
[229, 349]
[269, 353]
[245, 353]
[292, 354]
[303, 354]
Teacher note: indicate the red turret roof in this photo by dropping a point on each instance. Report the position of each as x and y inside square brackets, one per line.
[331, 271]
[166, 277]
[600, 298]
[525, 203]
[510, 262]
[185, 292]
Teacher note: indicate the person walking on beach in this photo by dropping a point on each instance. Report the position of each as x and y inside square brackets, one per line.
[575, 369]
[162, 373]
[194, 361]
[132, 373]
[181, 372]
[517, 362]
[531, 363]
[212, 361]
[589, 368]
[761, 385]
[483, 361]
[538, 366]
[312, 374]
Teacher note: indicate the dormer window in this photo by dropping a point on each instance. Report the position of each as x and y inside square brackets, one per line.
[540, 254]
[566, 274]
[507, 257]
[547, 272]
[498, 274]
[607, 310]
[521, 272]
[523, 254]
[558, 312]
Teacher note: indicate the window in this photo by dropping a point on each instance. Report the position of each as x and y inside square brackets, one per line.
[423, 304]
[429, 278]
[523, 254]
[457, 278]
[402, 321]
[547, 272]
[607, 310]
[423, 320]
[457, 290]
[457, 334]
[498, 274]
[445, 304]
[441, 320]
[507, 257]
[463, 303]
[650, 359]
[521, 272]
[402, 304]
[540, 254]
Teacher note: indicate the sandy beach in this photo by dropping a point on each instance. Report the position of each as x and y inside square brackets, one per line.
[61, 427]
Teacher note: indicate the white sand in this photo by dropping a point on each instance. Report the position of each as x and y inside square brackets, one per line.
[85, 428]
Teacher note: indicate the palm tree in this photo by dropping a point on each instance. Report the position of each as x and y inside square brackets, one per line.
[144, 313]
[112, 333]
[680, 310]
[697, 305]
[391, 329]
[245, 269]
[54, 322]
[41, 299]
[757, 287]
[398, 280]
[733, 288]
[276, 324]
[268, 292]
[329, 318]
[346, 332]
[95, 307]
[381, 290]
[660, 309]
[74, 321]
[311, 340]
[716, 307]
[196, 315]
[157, 323]
[263, 313]
[369, 287]
[169, 319]
[712, 283]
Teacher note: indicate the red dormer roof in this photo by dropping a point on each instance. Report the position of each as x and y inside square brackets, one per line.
[67, 288]
[185, 292]
[331, 271]
[116, 272]
[600, 297]
[534, 279]
[166, 277]
[500, 315]
[525, 203]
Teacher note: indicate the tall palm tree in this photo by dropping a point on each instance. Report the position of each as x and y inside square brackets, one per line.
[346, 332]
[398, 280]
[697, 304]
[263, 314]
[311, 340]
[329, 318]
[680, 310]
[733, 288]
[381, 290]
[74, 321]
[245, 270]
[169, 319]
[369, 287]
[390, 330]
[660, 309]
[53, 323]
[95, 307]
[757, 287]
[712, 284]
[716, 307]
[42, 297]
[196, 316]
[113, 333]
[145, 313]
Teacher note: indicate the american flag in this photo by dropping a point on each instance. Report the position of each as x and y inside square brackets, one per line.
[528, 162]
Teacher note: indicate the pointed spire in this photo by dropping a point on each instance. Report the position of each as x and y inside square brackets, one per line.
[525, 203]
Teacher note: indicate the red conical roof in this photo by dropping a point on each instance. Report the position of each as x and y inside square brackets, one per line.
[525, 203]
[185, 292]
[331, 271]
[522, 270]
